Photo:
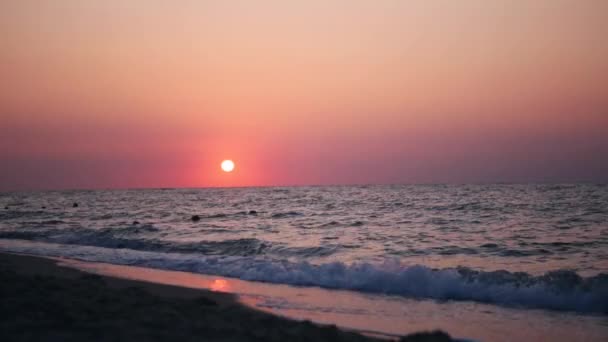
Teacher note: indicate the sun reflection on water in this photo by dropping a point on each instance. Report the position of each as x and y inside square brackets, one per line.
[220, 285]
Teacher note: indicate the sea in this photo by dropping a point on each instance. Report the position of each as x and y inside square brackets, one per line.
[492, 262]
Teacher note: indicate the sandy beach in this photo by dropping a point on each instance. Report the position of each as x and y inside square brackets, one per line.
[43, 301]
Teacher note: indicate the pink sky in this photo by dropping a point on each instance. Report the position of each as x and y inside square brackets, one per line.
[97, 94]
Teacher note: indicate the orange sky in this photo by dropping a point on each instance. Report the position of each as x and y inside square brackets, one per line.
[156, 93]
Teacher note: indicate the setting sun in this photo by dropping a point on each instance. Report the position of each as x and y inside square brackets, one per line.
[393, 158]
[227, 165]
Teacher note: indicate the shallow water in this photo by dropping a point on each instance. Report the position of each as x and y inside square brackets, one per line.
[513, 246]
[381, 315]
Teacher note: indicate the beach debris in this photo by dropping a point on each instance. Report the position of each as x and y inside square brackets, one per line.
[75, 205]
[195, 218]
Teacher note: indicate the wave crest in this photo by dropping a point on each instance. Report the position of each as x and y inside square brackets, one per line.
[556, 290]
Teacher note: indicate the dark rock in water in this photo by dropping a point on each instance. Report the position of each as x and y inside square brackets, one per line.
[43, 207]
[252, 212]
[195, 218]
[6, 208]
[135, 222]
[74, 205]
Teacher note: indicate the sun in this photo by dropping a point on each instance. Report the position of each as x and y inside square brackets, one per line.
[227, 165]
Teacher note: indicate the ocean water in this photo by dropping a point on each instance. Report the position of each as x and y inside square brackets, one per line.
[524, 246]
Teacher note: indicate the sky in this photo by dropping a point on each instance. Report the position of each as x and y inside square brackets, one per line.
[149, 93]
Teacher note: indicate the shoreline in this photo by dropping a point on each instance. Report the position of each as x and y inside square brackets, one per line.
[44, 300]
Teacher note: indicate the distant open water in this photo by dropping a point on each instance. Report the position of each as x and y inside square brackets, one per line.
[536, 246]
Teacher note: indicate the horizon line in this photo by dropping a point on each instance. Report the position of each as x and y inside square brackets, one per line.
[562, 182]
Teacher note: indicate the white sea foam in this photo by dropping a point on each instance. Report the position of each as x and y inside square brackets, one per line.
[558, 290]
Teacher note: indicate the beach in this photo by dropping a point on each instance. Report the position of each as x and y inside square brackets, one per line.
[385, 261]
[43, 301]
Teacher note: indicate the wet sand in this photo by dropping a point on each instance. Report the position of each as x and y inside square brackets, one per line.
[43, 301]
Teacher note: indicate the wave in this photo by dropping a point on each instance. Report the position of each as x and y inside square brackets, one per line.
[286, 214]
[133, 237]
[556, 290]
[18, 214]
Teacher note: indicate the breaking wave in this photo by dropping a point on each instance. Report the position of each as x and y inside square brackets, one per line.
[555, 290]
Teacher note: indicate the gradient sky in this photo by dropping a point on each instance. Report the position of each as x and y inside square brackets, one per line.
[115, 93]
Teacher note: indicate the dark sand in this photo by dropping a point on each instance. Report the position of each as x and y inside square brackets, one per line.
[41, 301]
